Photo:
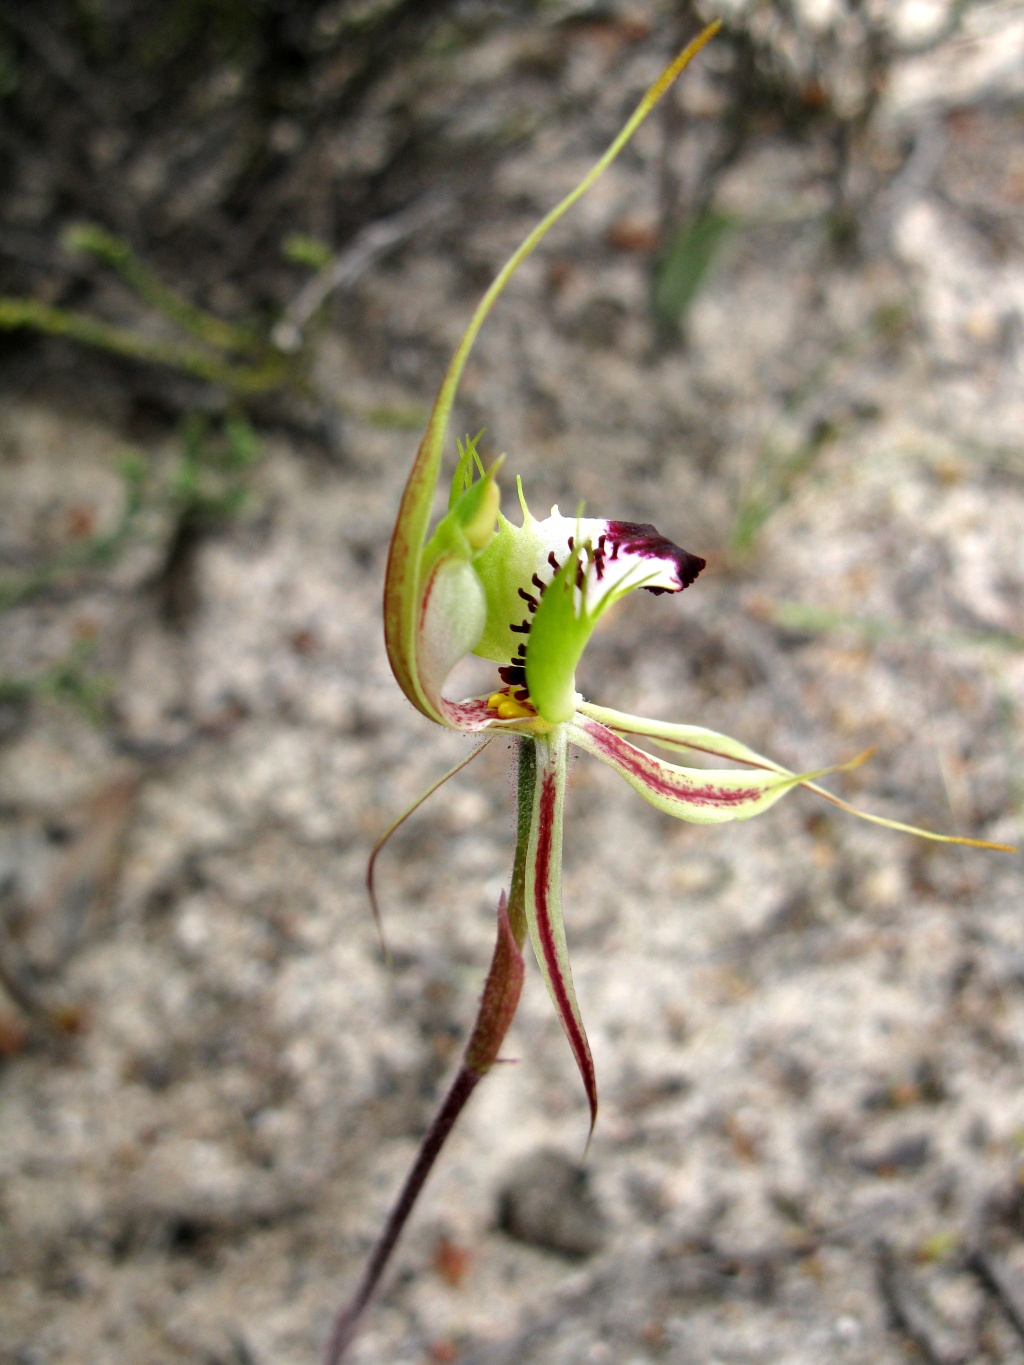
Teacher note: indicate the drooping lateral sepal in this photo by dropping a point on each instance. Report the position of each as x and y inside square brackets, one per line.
[543, 900]
[703, 796]
[701, 740]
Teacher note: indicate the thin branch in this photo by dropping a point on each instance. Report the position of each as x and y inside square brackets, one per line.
[368, 246]
[93, 240]
[371, 865]
[240, 379]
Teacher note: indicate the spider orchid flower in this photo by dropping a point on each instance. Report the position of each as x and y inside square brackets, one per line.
[528, 597]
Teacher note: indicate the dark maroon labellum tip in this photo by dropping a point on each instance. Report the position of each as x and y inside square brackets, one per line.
[645, 541]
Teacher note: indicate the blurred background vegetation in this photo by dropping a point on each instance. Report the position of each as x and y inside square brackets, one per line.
[173, 172]
[238, 239]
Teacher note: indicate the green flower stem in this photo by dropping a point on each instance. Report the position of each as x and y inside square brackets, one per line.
[527, 777]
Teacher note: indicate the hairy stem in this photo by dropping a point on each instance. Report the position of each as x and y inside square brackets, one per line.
[526, 780]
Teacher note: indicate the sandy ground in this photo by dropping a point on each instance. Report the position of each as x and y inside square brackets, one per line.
[809, 1031]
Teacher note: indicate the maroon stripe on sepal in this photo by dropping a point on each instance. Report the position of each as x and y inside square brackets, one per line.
[650, 771]
[549, 944]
